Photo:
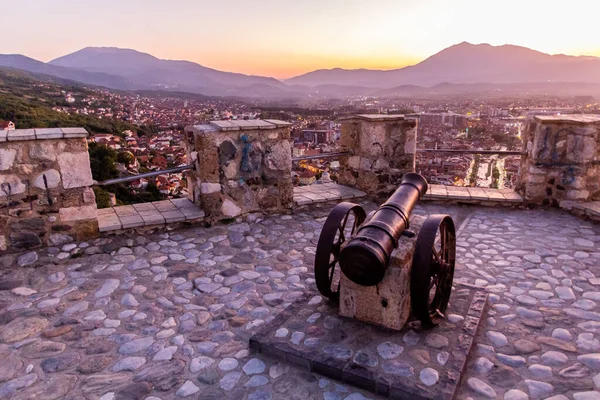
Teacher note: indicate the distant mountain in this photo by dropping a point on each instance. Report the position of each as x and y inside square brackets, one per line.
[93, 78]
[467, 63]
[148, 72]
[459, 69]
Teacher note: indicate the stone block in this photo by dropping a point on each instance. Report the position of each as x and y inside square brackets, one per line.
[70, 214]
[578, 194]
[52, 179]
[43, 150]
[11, 185]
[388, 303]
[21, 134]
[208, 188]
[7, 158]
[279, 158]
[229, 209]
[48, 133]
[3, 243]
[75, 169]
[75, 132]
[89, 196]
[354, 162]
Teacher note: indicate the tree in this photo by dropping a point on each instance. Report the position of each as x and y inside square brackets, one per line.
[126, 157]
[102, 162]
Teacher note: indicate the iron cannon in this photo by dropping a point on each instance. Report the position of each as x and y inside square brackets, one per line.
[363, 249]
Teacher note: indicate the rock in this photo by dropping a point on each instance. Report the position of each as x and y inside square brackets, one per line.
[21, 328]
[498, 339]
[481, 388]
[136, 345]
[9, 389]
[43, 349]
[558, 343]
[208, 376]
[429, 376]
[159, 372]
[398, 368]
[436, 340]
[513, 361]
[109, 286]
[554, 358]
[591, 360]
[524, 346]
[134, 391]
[165, 354]
[515, 394]
[129, 300]
[10, 363]
[51, 388]
[58, 239]
[483, 365]
[60, 362]
[200, 363]
[187, 389]
[99, 384]
[94, 364]
[23, 291]
[576, 370]
[538, 389]
[27, 259]
[229, 209]
[254, 366]
[50, 333]
[228, 364]
[230, 379]
[129, 364]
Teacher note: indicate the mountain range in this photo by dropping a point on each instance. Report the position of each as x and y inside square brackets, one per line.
[459, 69]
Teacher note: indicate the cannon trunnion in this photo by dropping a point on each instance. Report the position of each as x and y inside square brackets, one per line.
[364, 253]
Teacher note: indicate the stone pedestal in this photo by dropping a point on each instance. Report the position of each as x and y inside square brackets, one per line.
[240, 167]
[563, 159]
[388, 303]
[383, 149]
[45, 188]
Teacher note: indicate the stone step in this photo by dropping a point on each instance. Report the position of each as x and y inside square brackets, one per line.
[148, 214]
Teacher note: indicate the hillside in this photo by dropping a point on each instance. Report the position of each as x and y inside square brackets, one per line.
[27, 100]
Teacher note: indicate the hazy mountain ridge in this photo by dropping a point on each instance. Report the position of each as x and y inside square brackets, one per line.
[463, 66]
[466, 63]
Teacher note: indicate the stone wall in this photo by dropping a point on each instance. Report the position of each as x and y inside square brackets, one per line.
[45, 193]
[240, 167]
[383, 149]
[563, 159]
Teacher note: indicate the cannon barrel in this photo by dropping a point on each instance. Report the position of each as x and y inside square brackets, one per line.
[365, 258]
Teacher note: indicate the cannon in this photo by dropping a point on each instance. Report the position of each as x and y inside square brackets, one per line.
[359, 252]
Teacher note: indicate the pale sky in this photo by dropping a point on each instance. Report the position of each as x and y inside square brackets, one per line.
[284, 38]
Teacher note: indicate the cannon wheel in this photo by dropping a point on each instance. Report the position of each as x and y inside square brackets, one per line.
[433, 269]
[342, 222]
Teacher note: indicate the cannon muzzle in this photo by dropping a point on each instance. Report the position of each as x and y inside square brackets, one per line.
[365, 258]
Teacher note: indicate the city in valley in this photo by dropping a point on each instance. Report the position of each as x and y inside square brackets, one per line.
[462, 123]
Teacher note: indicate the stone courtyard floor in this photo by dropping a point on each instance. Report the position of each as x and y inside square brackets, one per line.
[168, 315]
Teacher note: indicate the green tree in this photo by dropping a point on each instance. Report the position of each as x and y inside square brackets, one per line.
[102, 162]
[102, 197]
[126, 157]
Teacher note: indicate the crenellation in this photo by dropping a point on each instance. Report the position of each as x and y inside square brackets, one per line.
[241, 167]
[45, 184]
[382, 147]
[561, 160]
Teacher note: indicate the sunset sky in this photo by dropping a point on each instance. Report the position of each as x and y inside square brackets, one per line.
[284, 38]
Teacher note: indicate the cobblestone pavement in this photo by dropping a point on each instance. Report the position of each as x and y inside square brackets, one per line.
[168, 315]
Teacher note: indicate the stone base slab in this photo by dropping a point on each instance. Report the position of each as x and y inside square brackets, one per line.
[410, 364]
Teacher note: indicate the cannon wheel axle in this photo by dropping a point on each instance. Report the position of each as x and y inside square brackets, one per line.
[433, 269]
[342, 222]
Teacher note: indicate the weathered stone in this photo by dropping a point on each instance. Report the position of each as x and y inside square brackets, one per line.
[21, 328]
[129, 364]
[99, 384]
[94, 364]
[134, 391]
[52, 179]
[481, 388]
[75, 169]
[43, 349]
[51, 388]
[60, 362]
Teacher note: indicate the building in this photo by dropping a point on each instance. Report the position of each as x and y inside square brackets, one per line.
[307, 178]
[7, 126]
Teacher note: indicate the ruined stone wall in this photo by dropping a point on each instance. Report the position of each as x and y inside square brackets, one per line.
[45, 193]
[240, 171]
[383, 149]
[563, 160]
